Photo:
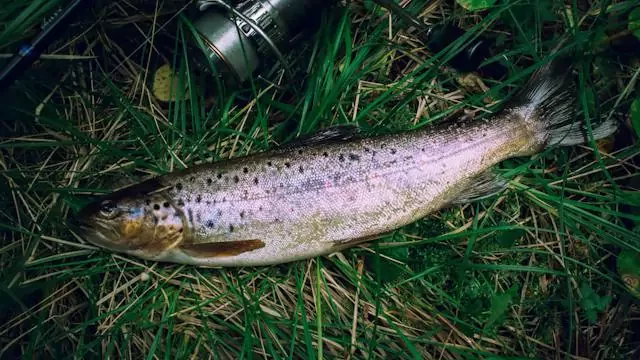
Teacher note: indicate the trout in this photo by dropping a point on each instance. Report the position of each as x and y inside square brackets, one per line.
[334, 189]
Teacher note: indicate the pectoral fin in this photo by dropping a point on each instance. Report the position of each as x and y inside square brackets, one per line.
[222, 248]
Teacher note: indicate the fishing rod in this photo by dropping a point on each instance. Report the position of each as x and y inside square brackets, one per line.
[29, 52]
[236, 38]
[437, 37]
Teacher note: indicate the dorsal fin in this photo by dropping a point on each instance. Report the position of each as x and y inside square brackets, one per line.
[324, 136]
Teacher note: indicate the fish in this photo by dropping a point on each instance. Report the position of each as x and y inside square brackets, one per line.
[335, 189]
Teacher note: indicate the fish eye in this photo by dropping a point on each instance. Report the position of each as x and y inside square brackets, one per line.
[108, 209]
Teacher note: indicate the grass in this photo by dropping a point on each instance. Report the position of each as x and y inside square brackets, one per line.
[530, 273]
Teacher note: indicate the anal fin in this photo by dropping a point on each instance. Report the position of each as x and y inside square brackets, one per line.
[348, 243]
[481, 187]
[221, 248]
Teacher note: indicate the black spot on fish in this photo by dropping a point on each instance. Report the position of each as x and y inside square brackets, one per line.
[354, 157]
[422, 149]
[219, 212]
[341, 157]
[366, 149]
[224, 199]
[255, 181]
[156, 207]
[408, 157]
[246, 193]
[325, 154]
[166, 204]
[180, 202]
[230, 228]
[192, 179]
[209, 181]
[245, 170]
[190, 215]
[180, 230]
[383, 145]
[236, 179]
[288, 165]
[210, 224]
[148, 202]
[393, 162]
[393, 151]
[267, 191]
[219, 176]
[301, 169]
[260, 208]
[242, 214]
[198, 198]
[270, 163]
[300, 152]
[179, 186]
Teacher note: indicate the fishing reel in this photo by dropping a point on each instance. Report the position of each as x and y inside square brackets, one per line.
[239, 38]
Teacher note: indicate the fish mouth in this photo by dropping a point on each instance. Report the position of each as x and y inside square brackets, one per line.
[96, 233]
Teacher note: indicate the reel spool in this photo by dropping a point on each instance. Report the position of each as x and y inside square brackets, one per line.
[238, 39]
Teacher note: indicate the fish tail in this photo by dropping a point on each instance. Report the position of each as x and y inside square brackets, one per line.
[548, 102]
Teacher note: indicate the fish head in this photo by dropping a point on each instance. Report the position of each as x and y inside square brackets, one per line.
[121, 223]
[117, 225]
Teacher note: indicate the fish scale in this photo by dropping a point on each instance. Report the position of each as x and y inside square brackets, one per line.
[325, 195]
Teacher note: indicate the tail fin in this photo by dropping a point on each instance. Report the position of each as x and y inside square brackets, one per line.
[548, 103]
